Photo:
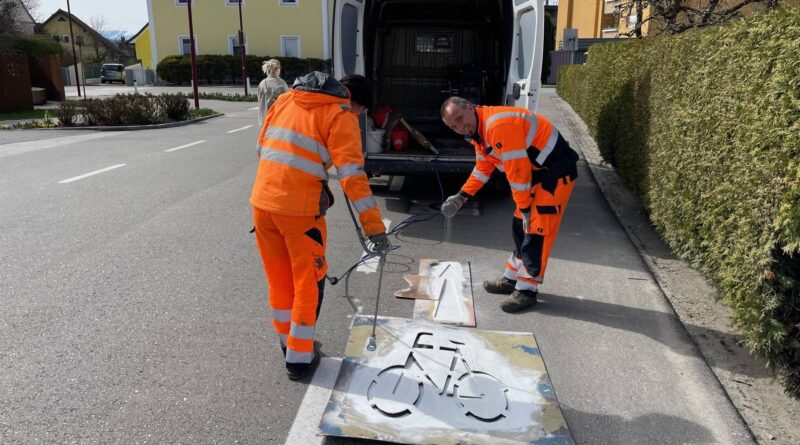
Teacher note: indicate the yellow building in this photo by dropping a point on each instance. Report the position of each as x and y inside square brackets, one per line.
[298, 28]
[94, 49]
[141, 46]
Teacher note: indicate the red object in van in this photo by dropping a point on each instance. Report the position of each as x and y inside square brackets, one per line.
[399, 138]
[380, 115]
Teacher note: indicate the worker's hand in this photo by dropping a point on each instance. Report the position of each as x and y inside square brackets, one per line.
[452, 204]
[380, 242]
[526, 222]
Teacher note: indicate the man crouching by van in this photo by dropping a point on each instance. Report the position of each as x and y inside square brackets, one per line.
[541, 169]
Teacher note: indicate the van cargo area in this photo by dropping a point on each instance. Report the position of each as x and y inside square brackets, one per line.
[419, 53]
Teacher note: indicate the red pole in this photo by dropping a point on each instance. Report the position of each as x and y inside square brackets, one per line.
[74, 54]
[194, 62]
[241, 45]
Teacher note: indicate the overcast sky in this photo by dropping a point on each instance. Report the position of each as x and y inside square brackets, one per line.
[125, 15]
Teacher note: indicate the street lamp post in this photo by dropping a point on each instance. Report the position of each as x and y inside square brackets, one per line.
[74, 55]
[194, 62]
[242, 48]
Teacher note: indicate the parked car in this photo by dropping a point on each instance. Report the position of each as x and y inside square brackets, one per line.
[112, 72]
[419, 52]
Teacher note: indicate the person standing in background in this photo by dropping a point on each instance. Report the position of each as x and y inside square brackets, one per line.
[270, 88]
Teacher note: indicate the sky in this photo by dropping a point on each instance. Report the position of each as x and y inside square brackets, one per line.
[124, 15]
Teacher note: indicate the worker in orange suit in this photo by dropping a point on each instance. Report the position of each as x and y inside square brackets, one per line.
[541, 169]
[308, 129]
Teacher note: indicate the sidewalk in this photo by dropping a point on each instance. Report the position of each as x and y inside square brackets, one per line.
[771, 415]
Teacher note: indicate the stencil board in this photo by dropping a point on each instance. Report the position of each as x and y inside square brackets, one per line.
[455, 305]
[436, 384]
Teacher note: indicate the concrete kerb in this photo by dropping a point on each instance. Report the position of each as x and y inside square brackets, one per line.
[652, 249]
[132, 127]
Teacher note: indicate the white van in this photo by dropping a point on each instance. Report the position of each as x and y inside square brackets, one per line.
[419, 52]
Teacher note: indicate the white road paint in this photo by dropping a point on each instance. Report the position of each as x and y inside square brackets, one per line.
[28, 146]
[305, 429]
[371, 265]
[254, 108]
[238, 129]
[183, 146]
[102, 170]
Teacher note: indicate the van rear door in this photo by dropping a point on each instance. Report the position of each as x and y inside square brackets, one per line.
[348, 37]
[525, 67]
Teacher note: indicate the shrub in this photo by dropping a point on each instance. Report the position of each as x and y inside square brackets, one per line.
[705, 127]
[138, 109]
[174, 106]
[29, 46]
[227, 68]
[67, 113]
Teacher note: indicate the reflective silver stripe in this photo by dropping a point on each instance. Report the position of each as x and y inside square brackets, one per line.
[479, 157]
[306, 143]
[282, 315]
[365, 204]
[291, 160]
[519, 186]
[348, 170]
[514, 154]
[502, 115]
[479, 176]
[284, 339]
[300, 331]
[532, 131]
[494, 154]
[293, 356]
[501, 168]
[551, 143]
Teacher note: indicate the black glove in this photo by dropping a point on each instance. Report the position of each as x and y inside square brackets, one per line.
[380, 242]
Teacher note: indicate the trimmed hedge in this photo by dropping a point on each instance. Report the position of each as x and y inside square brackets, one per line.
[705, 127]
[32, 46]
[124, 109]
[217, 69]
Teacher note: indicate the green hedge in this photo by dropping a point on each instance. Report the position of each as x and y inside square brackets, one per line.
[29, 45]
[216, 69]
[705, 127]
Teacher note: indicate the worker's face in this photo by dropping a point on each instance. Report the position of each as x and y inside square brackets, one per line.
[462, 120]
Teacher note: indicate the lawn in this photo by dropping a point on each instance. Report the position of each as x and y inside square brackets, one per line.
[24, 114]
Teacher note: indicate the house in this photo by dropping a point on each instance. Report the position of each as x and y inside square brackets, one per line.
[141, 46]
[93, 48]
[21, 18]
[296, 28]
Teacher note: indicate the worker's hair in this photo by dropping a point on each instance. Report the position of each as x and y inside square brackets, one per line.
[271, 67]
[460, 102]
[360, 89]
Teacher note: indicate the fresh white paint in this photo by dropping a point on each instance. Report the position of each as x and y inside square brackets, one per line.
[238, 129]
[102, 170]
[183, 146]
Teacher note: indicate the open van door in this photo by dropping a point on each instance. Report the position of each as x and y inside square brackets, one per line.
[348, 37]
[525, 67]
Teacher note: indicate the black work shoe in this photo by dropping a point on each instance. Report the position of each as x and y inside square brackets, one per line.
[297, 371]
[519, 300]
[501, 286]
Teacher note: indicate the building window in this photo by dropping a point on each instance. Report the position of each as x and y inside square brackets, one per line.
[234, 47]
[185, 46]
[610, 20]
[62, 19]
[185, 2]
[290, 46]
[289, 2]
[632, 19]
[234, 3]
[66, 39]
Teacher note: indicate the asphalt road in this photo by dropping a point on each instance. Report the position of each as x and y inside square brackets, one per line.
[134, 303]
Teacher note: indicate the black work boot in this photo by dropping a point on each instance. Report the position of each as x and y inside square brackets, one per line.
[501, 286]
[297, 371]
[519, 300]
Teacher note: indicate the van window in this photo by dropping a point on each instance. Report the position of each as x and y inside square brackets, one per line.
[526, 39]
[349, 38]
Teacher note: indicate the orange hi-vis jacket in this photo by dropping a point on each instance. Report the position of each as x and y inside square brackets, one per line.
[307, 130]
[524, 145]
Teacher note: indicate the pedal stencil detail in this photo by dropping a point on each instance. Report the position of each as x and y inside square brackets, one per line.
[436, 384]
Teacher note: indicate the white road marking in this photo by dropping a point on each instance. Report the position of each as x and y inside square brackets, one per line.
[183, 146]
[305, 429]
[91, 174]
[371, 265]
[28, 146]
[238, 129]
[254, 108]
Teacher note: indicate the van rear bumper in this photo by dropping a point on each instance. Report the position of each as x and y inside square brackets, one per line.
[410, 164]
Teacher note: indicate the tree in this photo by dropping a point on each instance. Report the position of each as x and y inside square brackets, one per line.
[676, 16]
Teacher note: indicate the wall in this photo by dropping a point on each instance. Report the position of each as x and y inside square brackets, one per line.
[143, 49]
[15, 84]
[45, 72]
[581, 14]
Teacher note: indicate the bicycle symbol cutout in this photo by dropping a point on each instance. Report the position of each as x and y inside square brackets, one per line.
[439, 369]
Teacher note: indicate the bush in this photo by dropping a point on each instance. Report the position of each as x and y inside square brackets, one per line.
[174, 106]
[138, 109]
[31, 46]
[705, 127]
[226, 68]
[67, 113]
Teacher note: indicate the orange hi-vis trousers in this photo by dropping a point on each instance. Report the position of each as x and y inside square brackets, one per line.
[293, 252]
[528, 262]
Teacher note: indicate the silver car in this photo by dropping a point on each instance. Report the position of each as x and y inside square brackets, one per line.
[112, 72]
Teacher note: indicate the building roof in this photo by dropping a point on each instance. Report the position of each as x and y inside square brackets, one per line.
[25, 8]
[99, 37]
[133, 37]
